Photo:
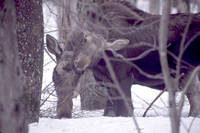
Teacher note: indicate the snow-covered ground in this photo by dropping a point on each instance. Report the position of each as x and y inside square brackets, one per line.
[112, 125]
[157, 120]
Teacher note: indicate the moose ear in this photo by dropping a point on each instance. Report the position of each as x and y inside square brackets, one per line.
[117, 44]
[53, 45]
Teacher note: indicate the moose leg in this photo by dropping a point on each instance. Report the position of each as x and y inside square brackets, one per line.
[92, 95]
[124, 105]
[116, 105]
[109, 109]
[193, 95]
[64, 104]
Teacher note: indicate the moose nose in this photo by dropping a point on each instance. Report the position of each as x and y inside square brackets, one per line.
[63, 67]
[81, 63]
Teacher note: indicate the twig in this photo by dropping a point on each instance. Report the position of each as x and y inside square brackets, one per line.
[49, 55]
[190, 127]
[144, 115]
[157, 76]
[48, 95]
[181, 49]
[195, 71]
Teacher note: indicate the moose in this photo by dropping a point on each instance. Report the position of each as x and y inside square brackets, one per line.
[119, 37]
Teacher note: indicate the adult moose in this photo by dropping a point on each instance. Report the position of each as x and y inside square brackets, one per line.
[129, 37]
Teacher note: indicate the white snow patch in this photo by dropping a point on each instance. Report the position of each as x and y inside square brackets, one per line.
[111, 125]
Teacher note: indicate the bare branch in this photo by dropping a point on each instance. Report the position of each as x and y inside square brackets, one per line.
[175, 120]
[181, 49]
[144, 115]
[49, 55]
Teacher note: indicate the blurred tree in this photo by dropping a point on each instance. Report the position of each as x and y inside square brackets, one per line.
[182, 6]
[12, 107]
[134, 2]
[154, 6]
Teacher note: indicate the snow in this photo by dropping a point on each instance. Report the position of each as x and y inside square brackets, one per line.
[157, 120]
[111, 125]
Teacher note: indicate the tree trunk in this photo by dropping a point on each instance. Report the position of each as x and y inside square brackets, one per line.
[154, 6]
[67, 18]
[12, 108]
[30, 42]
[133, 2]
[183, 6]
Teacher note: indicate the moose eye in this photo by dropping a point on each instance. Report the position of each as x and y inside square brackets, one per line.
[67, 68]
[83, 39]
[69, 46]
